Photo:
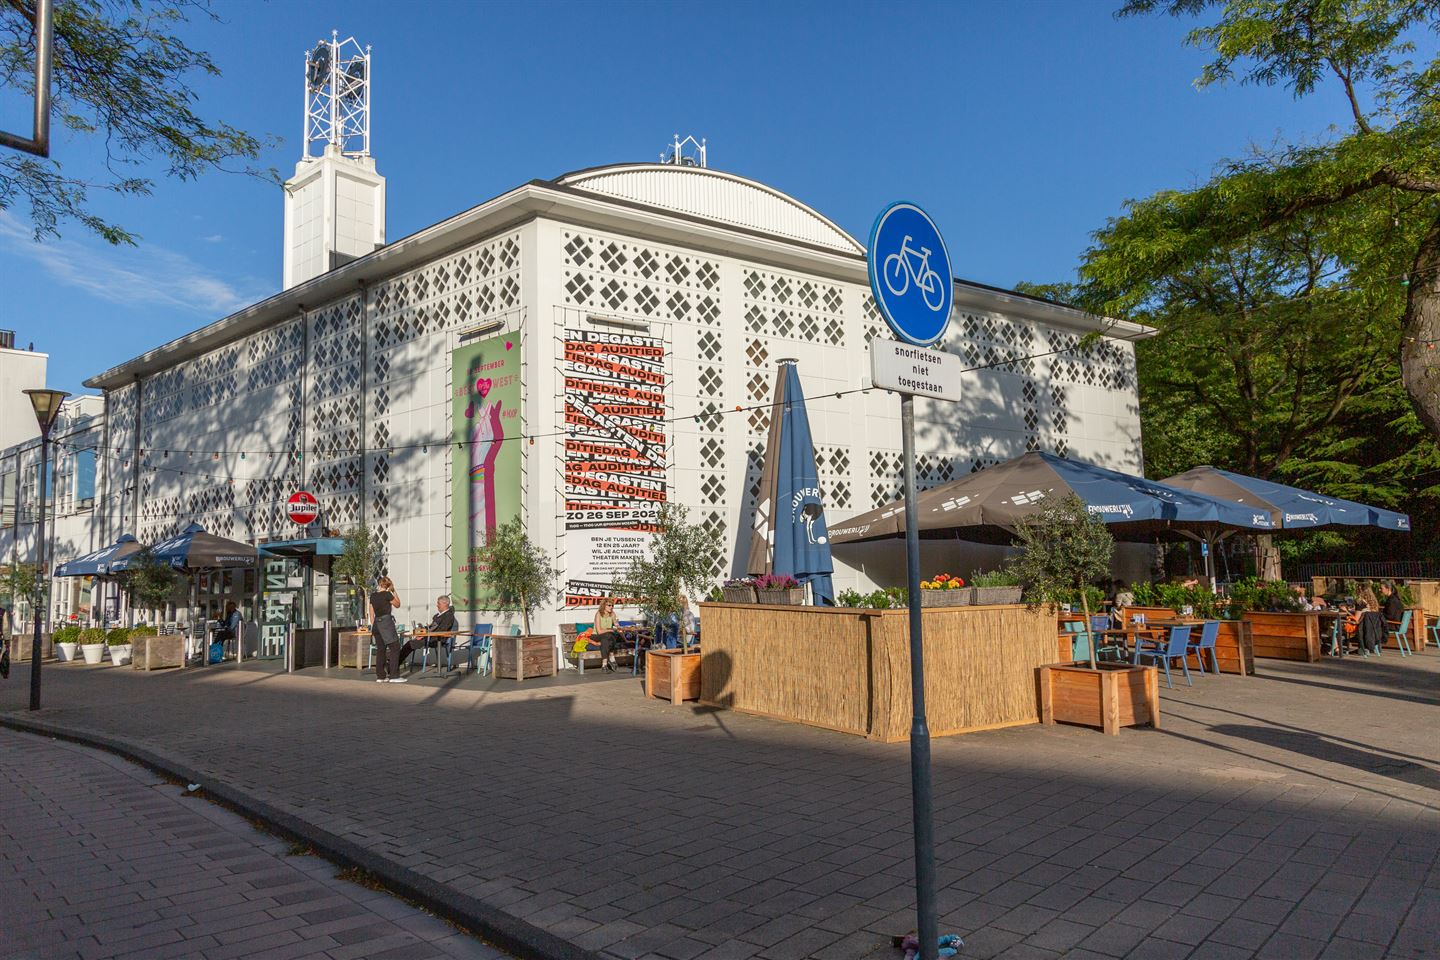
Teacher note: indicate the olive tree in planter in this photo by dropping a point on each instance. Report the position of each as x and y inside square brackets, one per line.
[517, 575]
[1066, 551]
[679, 562]
[148, 583]
[359, 562]
[22, 583]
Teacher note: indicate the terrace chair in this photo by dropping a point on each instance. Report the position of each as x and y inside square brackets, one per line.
[1433, 628]
[1399, 632]
[1174, 648]
[1209, 633]
[477, 649]
[1079, 640]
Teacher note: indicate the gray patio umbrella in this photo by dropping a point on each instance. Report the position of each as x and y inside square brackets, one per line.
[985, 505]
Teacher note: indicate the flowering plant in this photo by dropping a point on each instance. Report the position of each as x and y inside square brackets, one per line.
[942, 582]
[774, 581]
[740, 582]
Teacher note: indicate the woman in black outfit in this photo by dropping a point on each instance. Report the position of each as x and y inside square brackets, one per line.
[387, 642]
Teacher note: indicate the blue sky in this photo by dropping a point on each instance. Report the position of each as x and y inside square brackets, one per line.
[1021, 126]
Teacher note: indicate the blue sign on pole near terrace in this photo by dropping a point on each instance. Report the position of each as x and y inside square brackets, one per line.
[910, 274]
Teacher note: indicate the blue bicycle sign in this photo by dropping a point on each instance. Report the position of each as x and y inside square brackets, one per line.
[910, 274]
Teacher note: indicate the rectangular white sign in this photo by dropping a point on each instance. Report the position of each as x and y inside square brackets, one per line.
[918, 370]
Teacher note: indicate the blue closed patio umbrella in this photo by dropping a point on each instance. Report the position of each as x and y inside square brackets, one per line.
[789, 535]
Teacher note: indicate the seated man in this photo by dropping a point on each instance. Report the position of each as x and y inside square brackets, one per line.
[442, 622]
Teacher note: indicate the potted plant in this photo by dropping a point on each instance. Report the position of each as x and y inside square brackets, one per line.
[67, 641]
[92, 645]
[996, 586]
[359, 562]
[779, 588]
[516, 575]
[738, 590]
[22, 583]
[678, 561]
[943, 590]
[1066, 551]
[118, 642]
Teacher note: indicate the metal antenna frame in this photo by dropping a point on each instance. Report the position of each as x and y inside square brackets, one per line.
[39, 141]
[337, 110]
[675, 153]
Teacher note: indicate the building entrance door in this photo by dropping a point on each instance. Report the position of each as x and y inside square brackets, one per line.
[284, 602]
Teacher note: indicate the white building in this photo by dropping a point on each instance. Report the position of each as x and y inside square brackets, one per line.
[19, 370]
[347, 385]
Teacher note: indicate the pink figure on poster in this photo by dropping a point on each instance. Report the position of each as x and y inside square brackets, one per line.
[486, 437]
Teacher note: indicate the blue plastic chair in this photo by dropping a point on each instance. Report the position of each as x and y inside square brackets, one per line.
[1434, 630]
[1400, 633]
[1209, 633]
[1079, 640]
[1174, 648]
[477, 649]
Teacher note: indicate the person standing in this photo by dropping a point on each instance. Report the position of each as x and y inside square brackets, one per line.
[382, 626]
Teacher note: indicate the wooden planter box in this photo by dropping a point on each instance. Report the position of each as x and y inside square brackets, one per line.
[1285, 636]
[793, 597]
[1111, 697]
[156, 653]
[985, 595]
[672, 675]
[353, 647]
[1235, 648]
[744, 594]
[20, 647]
[520, 658]
[945, 598]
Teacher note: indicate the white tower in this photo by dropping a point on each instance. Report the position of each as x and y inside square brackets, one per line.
[335, 202]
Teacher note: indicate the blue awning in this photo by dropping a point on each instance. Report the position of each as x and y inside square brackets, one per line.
[98, 564]
[309, 547]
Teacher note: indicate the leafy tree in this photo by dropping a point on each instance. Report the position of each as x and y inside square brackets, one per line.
[22, 581]
[514, 572]
[359, 559]
[1368, 195]
[678, 562]
[148, 582]
[123, 77]
[1066, 551]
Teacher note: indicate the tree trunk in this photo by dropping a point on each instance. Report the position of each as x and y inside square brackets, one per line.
[525, 614]
[1421, 333]
[1267, 558]
[1089, 627]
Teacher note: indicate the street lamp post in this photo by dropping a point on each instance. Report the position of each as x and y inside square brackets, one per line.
[47, 411]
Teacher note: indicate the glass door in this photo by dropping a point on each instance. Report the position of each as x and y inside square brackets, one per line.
[284, 602]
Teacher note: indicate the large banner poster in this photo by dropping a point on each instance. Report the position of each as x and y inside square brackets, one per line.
[485, 416]
[615, 454]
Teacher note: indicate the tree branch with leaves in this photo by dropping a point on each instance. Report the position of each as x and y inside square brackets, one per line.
[122, 75]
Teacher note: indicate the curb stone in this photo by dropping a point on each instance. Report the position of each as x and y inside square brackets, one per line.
[510, 933]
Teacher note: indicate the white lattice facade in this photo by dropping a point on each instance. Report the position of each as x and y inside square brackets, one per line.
[343, 386]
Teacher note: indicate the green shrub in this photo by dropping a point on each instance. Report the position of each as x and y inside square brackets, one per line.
[1407, 594]
[1146, 595]
[118, 637]
[851, 598]
[92, 635]
[66, 635]
[1003, 577]
[143, 631]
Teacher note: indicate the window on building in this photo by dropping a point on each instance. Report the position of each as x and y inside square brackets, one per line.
[8, 483]
[83, 466]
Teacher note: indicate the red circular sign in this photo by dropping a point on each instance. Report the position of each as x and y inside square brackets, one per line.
[303, 507]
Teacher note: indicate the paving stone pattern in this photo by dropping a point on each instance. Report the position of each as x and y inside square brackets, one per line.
[104, 859]
[1290, 815]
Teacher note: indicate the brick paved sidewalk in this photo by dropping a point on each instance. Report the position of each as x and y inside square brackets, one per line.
[102, 858]
[1289, 815]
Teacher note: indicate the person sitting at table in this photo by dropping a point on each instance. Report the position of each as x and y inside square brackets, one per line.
[442, 622]
[606, 632]
[1391, 605]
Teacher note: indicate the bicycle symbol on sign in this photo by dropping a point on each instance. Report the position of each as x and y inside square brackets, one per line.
[908, 264]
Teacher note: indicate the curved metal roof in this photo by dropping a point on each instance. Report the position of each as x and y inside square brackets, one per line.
[714, 195]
